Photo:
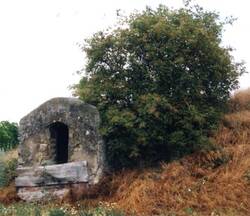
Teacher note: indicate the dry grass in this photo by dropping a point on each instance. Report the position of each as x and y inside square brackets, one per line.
[8, 194]
[213, 183]
[9, 155]
[240, 101]
[189, 185]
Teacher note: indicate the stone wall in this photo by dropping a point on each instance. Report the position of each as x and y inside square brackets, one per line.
[84, 141]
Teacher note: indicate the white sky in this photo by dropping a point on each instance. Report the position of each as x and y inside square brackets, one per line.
[38, 44]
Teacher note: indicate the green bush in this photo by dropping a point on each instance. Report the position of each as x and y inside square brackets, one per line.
[8, 135]
[161, 82]
[7, 172]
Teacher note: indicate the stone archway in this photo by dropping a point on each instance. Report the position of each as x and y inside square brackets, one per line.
[59, 135]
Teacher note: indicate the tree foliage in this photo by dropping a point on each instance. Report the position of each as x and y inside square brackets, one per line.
[8, 135]
[161, 81]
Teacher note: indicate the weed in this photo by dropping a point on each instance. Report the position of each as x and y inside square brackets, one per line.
[100, 211]
[57, 212]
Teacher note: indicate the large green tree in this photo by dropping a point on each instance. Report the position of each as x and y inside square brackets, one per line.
[161, 81]
[8, 135]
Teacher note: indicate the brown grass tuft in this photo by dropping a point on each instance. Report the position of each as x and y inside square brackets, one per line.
[187, 185]
[240, 101]
[9, 155]
[8, 194]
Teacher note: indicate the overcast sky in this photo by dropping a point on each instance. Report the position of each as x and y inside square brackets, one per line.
[39, 55]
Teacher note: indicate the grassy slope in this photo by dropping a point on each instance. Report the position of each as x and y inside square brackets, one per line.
[214, 183]
[202, 183]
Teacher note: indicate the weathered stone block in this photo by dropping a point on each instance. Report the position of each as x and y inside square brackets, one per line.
[74, 172]
[59, 145]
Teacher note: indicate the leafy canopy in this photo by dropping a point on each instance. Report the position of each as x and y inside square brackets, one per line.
[161, 81]
[8, 135]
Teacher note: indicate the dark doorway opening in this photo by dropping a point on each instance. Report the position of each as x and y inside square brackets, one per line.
[59, 134]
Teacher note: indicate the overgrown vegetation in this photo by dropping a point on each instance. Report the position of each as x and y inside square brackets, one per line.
[7, 171]
[8, 135]
[204, 183]
[161, 82]
[8, 165]
[31, 209]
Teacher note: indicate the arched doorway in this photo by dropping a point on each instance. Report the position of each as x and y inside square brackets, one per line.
[59, 134]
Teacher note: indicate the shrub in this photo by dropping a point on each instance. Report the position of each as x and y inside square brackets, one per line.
[161, 82]
[7, 171]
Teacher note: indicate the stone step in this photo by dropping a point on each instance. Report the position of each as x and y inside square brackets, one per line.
[68, 173]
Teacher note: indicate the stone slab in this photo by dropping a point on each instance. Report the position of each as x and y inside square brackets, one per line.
[68, 173]
[58, 192]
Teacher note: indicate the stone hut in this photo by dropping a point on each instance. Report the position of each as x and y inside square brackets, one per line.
[60, 150]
